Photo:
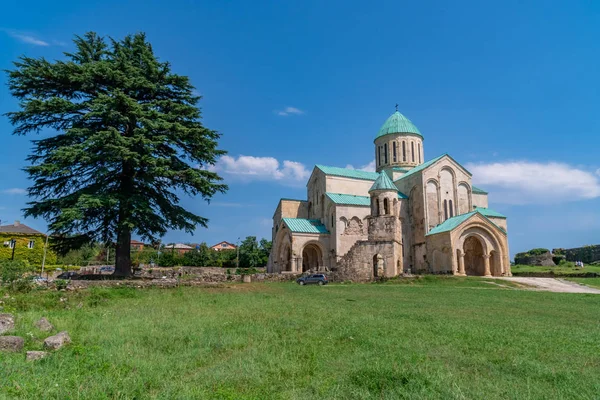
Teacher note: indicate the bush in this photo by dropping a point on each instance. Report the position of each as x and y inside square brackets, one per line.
[11, 271]
[61, 284]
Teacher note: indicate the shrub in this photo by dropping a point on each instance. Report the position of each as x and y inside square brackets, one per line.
[11, 271]
[61, 284]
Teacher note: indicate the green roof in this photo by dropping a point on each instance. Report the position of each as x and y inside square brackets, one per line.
[398, 123]
[420, 167]
[302, 225]
[489, 213]
[348, 173]
[451, 223]
[352, 200]
[349, 199]
[454, 222]
[477, 190]
[383, 182]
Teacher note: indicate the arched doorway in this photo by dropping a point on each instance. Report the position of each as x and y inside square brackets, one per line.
[285, 258]
[377, 265]
[312, 258]
[474, 263]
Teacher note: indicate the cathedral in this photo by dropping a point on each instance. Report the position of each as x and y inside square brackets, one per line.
[410, 216]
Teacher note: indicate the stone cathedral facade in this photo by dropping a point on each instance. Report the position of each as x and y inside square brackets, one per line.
[410, 216]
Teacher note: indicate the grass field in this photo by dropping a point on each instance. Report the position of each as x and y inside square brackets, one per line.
[561, 270]
[591, 282]
[439, 338]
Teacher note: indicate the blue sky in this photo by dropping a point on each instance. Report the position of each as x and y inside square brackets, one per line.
[509, 89]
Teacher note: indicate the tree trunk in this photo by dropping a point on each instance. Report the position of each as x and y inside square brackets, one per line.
[123, 253]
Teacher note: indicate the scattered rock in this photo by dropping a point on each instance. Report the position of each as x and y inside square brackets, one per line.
[35, 355]
[57, 341]
[11, 343]
[44, 325]
[7, 323]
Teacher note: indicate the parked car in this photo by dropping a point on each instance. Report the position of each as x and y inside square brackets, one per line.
[318, 279]
[107, 269]
[68, 275]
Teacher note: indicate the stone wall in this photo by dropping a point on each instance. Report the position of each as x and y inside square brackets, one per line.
[587, 254]
[544, 259]
[358, 265]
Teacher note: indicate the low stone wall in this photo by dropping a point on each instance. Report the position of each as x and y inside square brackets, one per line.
[181, 276]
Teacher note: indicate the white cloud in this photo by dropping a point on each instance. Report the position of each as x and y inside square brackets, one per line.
[14, 191]
[526, 182]
[27, 38]
[370, 167]
[289, 111]
[598, 172]
[250, 168]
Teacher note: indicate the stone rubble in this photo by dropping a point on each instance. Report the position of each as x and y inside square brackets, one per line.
[44, 325]
[57, 341]
[35, 355]
[7, 323]
[11, 344]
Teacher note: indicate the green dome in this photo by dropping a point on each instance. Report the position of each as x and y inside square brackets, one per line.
[398, 123]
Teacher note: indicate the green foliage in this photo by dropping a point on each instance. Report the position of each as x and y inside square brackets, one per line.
[22, 251]
[14, 275]
[128, 139]
[254, 254]
[61, 284]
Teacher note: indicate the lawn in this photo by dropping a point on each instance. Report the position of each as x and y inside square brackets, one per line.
[559, 270]
[433, 338]
[591, 282]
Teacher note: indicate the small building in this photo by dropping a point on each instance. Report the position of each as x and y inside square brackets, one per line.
[223, 246]
[25, 243]
[136, 245]
[178, 248]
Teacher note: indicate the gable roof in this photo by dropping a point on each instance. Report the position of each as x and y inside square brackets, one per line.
[429, 163]
[348, 173]
[20, 229]
[452, 223]
[420, 167]
[477, 190]
[383, 182]
[179, 246]
[303, 225]
[224, 241]
[489, 213]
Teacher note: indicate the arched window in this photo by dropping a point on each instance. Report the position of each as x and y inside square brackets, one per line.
[403, 151]
[380, 162]
[332, 221]
[419, 147]
[395, 146]
[386, 206]
[445, 210]
[451, 209]
[377, 208]
[385, 153]
[412, 150]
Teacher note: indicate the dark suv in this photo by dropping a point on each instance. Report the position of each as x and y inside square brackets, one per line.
[316, 278]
